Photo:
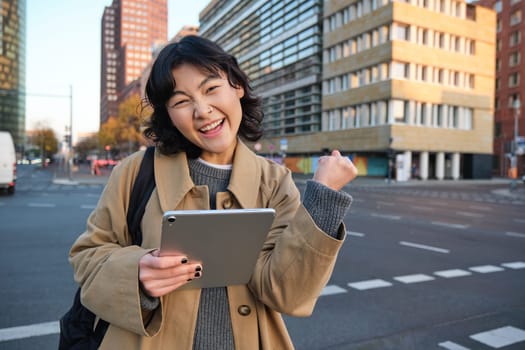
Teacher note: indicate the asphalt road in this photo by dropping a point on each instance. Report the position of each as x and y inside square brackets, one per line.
[423, 267]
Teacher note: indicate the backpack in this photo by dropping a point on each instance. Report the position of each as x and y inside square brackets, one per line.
[76, 326]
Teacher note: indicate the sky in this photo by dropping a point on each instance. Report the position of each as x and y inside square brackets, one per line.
[63, 53]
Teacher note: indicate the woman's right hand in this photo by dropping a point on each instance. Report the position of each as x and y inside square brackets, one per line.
[160, 275]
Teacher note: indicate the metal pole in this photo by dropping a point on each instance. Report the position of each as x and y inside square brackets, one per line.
[514, 162]
[70, 146]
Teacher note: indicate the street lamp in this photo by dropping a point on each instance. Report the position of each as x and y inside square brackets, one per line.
[514, 160]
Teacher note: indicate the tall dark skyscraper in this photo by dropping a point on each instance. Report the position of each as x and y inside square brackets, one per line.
[12, 68]
[131, 30]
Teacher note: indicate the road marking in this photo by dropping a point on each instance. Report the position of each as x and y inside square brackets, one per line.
[452, 346]
[521, 221]
[500, 337]
[370, 284]
[422, 208]
[88, 206]
[470, 215]
[452, 273]
[42, 205]
[486, 269]
[515, 265]
[332, 290]
[515, 234]
[478, 207]
[447, 224]
[384, 216]
[386, 203]
[426, 247]
[33, 330]
[357, 234]
[414, 278]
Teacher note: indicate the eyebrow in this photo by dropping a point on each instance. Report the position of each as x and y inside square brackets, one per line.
[212, 76]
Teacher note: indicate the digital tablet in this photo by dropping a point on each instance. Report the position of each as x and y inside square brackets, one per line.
[226, 242]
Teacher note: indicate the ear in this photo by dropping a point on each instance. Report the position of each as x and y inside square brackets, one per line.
[240, 92]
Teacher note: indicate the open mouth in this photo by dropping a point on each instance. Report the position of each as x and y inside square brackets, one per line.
[211, 126]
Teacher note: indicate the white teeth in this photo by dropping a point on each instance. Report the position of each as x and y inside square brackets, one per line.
[211, 126]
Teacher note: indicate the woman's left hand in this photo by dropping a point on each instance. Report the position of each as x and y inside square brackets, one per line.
[335, 171]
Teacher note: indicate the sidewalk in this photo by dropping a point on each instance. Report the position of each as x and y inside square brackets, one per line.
[81, 175]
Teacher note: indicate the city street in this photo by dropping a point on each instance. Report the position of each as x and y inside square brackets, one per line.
[424, 266]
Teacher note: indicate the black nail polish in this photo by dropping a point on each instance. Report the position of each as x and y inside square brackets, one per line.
[197, 274]
[184, 261]
[198, 268]
[189, 280]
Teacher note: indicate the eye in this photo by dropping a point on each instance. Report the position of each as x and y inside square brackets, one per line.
[178, 103]
[212, 88]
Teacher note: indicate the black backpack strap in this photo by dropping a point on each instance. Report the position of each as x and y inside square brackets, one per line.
[142, 189]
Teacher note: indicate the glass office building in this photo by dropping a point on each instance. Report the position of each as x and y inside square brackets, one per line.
[279, 45]
[12, 69]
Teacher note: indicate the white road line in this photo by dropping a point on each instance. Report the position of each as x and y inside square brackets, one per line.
[515, 265]
[486, 269]
[500, 337]
[452, 273]
[384, 216]
[332, 290]
[422, 208]
[370, 284]
[478, 207]
[41, 205]
[448, 224]
[357, 234]
[470, 215]
[88, 206]
[426, 247]
[515, 234]
[33, 330]
[452, 346]
[521, 221]
[386, 203]
[416, 278]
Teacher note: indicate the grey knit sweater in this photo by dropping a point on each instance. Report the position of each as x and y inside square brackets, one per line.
[213, 329]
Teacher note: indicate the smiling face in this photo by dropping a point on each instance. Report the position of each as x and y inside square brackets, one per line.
[207, 110]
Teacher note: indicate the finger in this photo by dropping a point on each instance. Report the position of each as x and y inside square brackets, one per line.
[150, 274]
[336, 153]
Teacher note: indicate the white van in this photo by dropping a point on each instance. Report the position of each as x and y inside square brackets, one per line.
[7, 162]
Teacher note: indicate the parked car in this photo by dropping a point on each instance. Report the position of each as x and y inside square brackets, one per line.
[7, 162]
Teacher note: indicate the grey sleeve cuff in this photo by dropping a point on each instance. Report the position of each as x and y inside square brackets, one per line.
[148, 303]
[326, 206]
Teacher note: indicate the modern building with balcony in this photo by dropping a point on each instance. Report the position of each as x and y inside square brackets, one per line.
[279, 45]
[131, 32]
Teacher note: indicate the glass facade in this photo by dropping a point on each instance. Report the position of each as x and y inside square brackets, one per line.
[12, 68]
[279, 45]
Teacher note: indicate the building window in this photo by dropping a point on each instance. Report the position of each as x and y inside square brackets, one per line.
[514, 79]
[398, 110]
[515, 17]
[514, 59]
[401, 32]
[400, 70]
[497, 6]
[514, 39]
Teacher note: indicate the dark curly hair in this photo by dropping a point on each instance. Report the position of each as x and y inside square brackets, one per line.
[210, 58]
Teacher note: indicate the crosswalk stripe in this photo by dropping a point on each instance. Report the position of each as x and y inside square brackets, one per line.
[416, 278]
[515, 265]
[33, 330]
[370, 284]
[500, 337]
[452, 346]
[486, 268]
[423, 246]
[452, 273]
[332, 290]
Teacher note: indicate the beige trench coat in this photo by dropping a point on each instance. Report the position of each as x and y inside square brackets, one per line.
[292, 269]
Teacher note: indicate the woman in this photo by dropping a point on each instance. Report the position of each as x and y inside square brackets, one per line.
[202, 107]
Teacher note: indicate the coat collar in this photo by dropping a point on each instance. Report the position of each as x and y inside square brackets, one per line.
[173, 181]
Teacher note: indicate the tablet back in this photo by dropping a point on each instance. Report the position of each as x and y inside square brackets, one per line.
[226, 242]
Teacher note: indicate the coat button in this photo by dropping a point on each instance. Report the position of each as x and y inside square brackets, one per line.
[227, 203]
[244, 310]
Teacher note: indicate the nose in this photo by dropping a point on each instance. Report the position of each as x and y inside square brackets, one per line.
[201, 109]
